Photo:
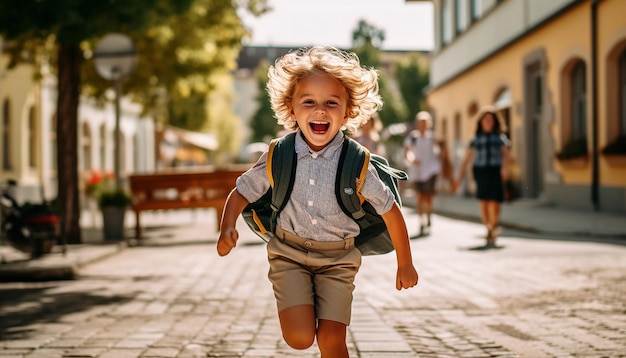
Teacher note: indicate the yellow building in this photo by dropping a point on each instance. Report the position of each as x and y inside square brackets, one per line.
[28, 133]
[24, 137]
[557, 72]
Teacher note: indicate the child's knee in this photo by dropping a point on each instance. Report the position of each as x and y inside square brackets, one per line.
[298, 326]
[299, 339]
[331, 335]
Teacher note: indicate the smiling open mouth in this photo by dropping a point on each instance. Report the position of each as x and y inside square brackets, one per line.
[319, 128]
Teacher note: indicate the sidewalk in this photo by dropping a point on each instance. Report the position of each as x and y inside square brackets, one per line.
[535, 217]
[58, 265]
[520, 215]
[16, 266]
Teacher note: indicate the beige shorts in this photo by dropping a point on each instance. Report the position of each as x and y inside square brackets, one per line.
[307, 272]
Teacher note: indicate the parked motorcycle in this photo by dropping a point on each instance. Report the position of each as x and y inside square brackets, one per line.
[31, 228]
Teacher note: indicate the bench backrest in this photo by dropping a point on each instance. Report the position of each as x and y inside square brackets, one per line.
[175, 189]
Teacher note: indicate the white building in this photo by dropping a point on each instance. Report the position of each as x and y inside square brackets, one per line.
[28, 134]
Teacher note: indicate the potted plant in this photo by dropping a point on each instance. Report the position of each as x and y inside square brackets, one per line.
[575, 148]
[574, 153]
[113, 204]
[615, 151]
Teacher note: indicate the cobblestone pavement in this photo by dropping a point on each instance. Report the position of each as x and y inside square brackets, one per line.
[174, 297]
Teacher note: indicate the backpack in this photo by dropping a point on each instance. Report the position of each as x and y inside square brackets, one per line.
[374, 237]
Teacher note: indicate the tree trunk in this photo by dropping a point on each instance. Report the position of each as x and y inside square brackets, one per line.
[70, 59]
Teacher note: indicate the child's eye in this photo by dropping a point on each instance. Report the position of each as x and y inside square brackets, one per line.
[332, 103]
[308, 102]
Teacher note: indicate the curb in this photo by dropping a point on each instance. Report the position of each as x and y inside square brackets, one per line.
[531, 229]
[57, 266]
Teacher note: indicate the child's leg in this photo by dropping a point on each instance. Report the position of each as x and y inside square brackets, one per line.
[331, 339]
[298, 326]
[428, 198]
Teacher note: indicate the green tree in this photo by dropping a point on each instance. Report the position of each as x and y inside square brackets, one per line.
[366, 43]
[367, 37]
[70, 26]
[70, 23]
[412, 81]
[263, 124]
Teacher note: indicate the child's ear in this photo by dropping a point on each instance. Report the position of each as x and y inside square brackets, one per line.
[290, 107]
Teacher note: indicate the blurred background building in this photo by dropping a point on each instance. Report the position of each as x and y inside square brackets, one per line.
[556, 70]
[29, 133]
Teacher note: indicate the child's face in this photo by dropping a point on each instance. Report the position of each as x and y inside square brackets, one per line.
[487, 123]
[422, 125]
[319, 104]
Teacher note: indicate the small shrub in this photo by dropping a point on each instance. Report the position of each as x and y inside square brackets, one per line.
[114, 197]
[575, 148]
[618, 146]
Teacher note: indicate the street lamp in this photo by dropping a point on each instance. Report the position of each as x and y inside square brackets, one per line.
[115, 58]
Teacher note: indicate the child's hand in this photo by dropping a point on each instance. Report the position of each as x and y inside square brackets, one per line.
[406, 277]
[228, 240]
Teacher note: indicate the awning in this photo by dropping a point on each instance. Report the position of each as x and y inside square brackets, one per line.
[198, 139]
[503, 100]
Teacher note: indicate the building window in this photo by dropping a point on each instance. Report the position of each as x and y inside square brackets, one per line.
[574, 116]
[86, 147]
[457, 127]
[579, 101]
[476, 9]
[122, 157]
[446, 22]
[135, 149]
[622, 93]
[6, 135]
[32, 138]
[103, 146]
[459, 16]
[53, 146]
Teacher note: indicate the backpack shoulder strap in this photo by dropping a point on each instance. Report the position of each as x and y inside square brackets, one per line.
[281, 169]
[351, 171]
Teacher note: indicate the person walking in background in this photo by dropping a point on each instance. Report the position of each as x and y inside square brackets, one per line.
[313, 262]
[369, 135]
[489, 152]
[423, 154]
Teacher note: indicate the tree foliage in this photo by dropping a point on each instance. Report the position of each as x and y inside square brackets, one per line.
[183, 56]
[263, 124]
[366, 43]
[180, 42]
[367, 35]
[412, 81]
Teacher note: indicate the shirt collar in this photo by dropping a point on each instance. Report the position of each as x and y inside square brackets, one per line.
[302, 148]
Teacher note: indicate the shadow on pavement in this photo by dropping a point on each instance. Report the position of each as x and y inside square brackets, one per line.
[22, 308]
[483, 247]
[523, 234]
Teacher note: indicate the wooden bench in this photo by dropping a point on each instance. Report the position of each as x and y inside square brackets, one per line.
[182, 190]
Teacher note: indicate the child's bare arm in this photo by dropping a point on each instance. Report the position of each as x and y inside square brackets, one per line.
[235, 203]
[406, 276]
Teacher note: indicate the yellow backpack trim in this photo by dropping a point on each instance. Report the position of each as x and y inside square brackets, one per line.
[362, 175]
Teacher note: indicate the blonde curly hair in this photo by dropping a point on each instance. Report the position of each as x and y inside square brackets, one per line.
[361, 83]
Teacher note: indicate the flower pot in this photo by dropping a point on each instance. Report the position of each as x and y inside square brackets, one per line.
[113, 222]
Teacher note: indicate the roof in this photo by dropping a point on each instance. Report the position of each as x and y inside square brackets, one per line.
[251, 56]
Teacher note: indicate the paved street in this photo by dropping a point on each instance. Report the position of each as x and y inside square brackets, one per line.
[533, 296]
